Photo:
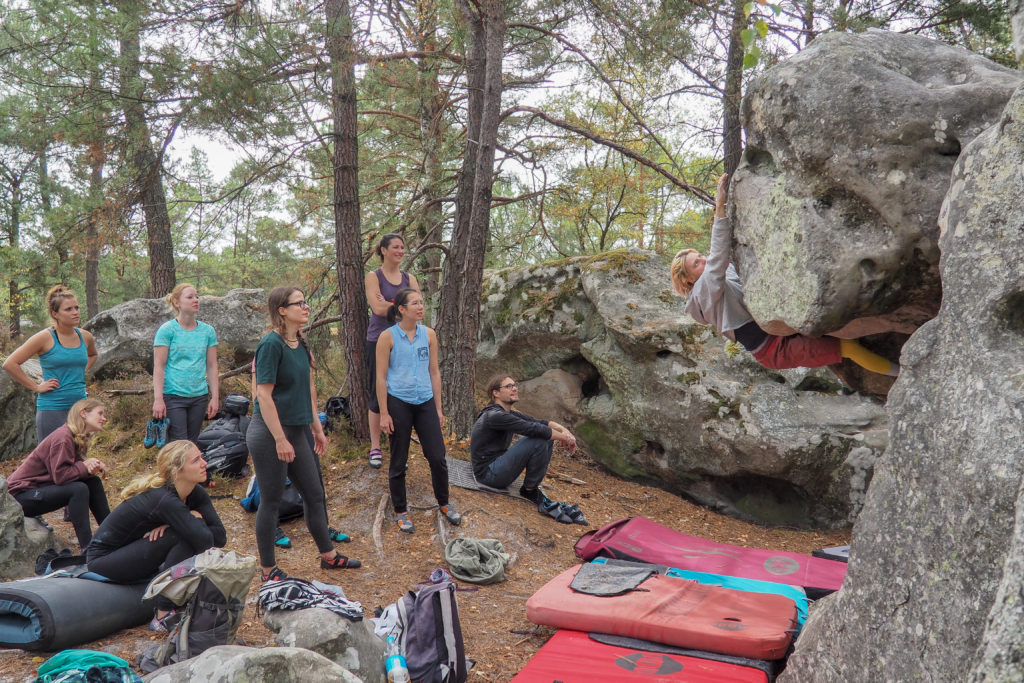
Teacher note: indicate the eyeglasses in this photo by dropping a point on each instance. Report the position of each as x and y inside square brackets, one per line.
[300, 304]
[510, 386]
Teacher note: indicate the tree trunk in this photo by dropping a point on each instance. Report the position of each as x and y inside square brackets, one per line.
[14, 293]
[92, 231]
[147, 167]
[348, 252]
[431, 106]
[459, 314]
[732, 131]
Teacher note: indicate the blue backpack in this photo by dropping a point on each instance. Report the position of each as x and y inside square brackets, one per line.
[291, 501]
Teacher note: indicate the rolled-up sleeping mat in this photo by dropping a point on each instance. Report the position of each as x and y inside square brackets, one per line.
[57, 612]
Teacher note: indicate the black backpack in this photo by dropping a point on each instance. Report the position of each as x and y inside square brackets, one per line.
[336, 409]
[220, 430]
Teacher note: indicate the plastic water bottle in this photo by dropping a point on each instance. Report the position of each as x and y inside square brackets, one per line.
[394, 663]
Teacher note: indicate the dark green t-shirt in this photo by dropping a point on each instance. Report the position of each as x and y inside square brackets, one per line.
[288, 370]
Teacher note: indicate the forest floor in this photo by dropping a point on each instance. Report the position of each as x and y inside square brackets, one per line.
[498, 636]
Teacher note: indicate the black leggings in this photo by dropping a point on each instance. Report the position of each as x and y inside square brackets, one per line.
[422, 417]
[142, 559]
[304, 472]
[81, 497]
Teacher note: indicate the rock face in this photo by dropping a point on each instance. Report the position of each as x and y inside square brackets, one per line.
[18, 426]
[124, 333]
[21, 540]
[935, 580]
[237, 664]
[655, 395]
[351, 644]
[850, 144]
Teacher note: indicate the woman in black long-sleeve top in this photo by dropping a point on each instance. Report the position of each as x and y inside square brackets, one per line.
[165, 518]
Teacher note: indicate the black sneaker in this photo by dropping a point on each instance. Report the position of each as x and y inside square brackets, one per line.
[536, 495]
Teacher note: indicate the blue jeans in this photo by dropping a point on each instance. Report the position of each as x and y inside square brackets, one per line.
[528, 453]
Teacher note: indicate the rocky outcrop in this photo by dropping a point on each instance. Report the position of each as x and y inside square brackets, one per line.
[234, 663]
[352, 644]
[655, 395]
[934, 586]
[124, 333]
[850, 144]
[21, 540]
[18, 426]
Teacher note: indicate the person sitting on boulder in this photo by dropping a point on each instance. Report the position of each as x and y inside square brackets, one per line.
[166, 517]
[57, 472]
[714, 294]
[497, 465]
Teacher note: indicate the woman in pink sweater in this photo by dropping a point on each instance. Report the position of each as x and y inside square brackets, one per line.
[57, 472]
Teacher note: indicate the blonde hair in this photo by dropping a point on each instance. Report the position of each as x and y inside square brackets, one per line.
[680, 278]
[55, 297]
[76, 423]
[174, 297]
[169, 462]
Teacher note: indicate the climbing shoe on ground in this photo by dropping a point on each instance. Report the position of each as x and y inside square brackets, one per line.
[535, 496]
[554, 511]
[337, 536]
[161, 432]
[275, 575]
[161, 624]
[449, 512]
[152, 430]
[340, 562]
[281, 539]
[376, 458]
[404, 523]
[574, 513]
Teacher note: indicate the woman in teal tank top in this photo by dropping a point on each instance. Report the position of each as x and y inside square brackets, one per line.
[65, 354]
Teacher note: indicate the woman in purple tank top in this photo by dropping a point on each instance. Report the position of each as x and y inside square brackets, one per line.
[381, 286]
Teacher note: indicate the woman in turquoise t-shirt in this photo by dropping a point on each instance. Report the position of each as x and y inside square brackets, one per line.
[65, 354]
[185, 380]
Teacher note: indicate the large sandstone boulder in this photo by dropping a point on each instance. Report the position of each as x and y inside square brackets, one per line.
[21, 540]
[237, 664]
[850, 144]
[18, 426]
[933, 591]
[352, 644]
[652, 394]
[124, 333]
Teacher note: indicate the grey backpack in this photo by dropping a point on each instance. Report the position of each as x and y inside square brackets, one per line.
[426, 627]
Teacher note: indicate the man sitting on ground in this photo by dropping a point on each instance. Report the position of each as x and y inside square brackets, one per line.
[494, 463]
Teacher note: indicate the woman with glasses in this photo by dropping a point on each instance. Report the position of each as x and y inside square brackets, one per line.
[409, 394]
[278, 436]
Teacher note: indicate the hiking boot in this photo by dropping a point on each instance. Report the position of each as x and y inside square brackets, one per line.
[161, 432]
[449, 512]
[404, 523]
[152, 429]
[281, 539]
[376, 458]
[337, 536]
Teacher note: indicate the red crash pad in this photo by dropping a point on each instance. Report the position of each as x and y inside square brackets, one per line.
[643, 540]
[675, 612]
[572, 657]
